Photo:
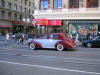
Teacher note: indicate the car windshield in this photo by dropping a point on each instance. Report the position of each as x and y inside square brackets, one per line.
[96, 38]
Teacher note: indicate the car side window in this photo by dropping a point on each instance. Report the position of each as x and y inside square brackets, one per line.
[54, 36]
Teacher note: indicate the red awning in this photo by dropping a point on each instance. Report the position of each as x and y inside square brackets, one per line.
[17, 22]
[41, 21]
[5, 26]
[54, 23]
[47, 22]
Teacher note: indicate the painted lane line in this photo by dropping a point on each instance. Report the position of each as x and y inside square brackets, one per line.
[53, 68]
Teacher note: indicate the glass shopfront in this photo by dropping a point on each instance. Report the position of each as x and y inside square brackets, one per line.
[83, 27]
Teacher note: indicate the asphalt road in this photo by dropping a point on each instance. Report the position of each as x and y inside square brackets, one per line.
[18, 59]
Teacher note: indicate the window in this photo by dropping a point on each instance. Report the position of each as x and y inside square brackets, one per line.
[57, 4]
[20, 8]
[2, 13]
[9, 5]
[2, 3]
[80, 3]
[29, 3]
[92, 3]
[26, 2]
[21, 1]
[33, 5]
[73, 3]
[20, 17]
[29, 11]
[9, 15]
[15, 16]
[54, 36]
[15, 7]
[44, 4]
[32, 11]
[25, 10]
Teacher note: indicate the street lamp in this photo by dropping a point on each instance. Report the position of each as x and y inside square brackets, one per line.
[26, 21]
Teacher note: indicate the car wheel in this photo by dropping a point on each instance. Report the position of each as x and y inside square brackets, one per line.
[32, 46]
[89, 45]
[60, 47]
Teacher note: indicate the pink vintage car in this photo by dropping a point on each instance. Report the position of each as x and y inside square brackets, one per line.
[53, 40]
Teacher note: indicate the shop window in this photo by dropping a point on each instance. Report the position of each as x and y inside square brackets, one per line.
[92, 3]
[73, 3]
[44, 4]
[57, 4]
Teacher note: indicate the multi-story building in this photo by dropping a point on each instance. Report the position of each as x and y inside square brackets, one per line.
[12, 13]
[75, 15]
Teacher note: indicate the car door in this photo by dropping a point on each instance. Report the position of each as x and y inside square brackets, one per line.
[96, 42]
[53, 39]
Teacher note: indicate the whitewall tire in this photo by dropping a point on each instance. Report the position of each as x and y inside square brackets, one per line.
[32, 46]
[60, 47]
[89, 45]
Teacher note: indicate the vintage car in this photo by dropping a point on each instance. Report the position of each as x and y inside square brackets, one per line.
[92, 42]
[53, 40]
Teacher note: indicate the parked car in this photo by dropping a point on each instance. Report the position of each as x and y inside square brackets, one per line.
[53, 40]
[92, 43]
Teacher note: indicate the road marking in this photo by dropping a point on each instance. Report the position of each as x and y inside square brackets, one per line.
[53, 68]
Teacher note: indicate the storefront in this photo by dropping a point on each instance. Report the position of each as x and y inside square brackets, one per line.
[30, 29]
[47, 26]
[17, 26]
[5, 27]
[83, 26]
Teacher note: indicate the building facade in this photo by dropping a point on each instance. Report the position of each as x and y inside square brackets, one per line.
[76, 15]
[12, 13]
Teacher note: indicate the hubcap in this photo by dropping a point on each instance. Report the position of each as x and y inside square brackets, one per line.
[89, 45]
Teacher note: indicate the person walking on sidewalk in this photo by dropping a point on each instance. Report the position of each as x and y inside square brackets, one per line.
[7, 38]
[22, 39]
[77, 42]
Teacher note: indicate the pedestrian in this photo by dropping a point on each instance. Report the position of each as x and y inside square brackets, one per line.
[7, 38]
[77, 42]
[88, 36]
[22, 39]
